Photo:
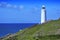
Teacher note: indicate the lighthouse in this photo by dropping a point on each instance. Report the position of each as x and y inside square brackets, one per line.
[43, 14]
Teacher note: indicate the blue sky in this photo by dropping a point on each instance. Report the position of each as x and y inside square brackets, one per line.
[28, 11]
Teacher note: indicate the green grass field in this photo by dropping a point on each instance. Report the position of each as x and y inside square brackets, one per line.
[47, 31]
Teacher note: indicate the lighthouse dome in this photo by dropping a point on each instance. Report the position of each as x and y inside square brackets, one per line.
[43, 6]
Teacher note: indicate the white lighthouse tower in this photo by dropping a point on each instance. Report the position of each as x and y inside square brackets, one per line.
[43, 14]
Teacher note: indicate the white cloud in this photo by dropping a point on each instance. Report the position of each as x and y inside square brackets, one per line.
[9, 5]
[21, 7]
[3, 2]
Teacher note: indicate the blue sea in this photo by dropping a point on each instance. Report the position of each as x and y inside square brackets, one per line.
[6, 28]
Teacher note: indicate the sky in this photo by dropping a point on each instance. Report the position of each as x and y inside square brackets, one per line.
[28, 11]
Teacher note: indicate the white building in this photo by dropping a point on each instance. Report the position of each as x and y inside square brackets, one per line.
[43, 14]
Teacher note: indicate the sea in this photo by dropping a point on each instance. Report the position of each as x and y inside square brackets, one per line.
[6, 28]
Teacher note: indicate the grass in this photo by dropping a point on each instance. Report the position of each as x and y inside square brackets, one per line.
[46, 31]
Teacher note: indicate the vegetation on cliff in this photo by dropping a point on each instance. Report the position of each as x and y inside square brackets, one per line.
[47, 31]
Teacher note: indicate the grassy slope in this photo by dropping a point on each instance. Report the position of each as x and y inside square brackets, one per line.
[44, 31]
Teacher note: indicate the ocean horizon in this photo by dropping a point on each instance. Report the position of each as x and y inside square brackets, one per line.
[6, 28]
